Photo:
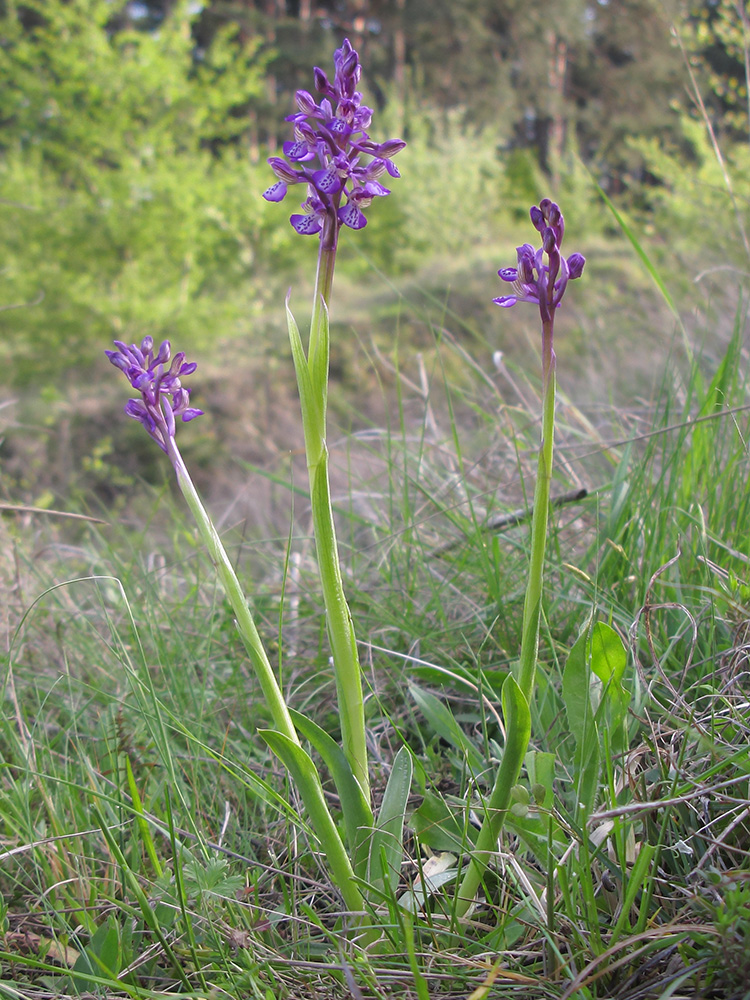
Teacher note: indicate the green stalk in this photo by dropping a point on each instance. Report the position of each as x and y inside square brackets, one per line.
[340, 627]
[517, 693]
[232, 588]
[532, 608]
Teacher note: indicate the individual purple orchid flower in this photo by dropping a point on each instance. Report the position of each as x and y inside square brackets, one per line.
[532, 279]
[330, 139]
[157, 377]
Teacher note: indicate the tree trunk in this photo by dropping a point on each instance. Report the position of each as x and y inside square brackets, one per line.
[557, 68]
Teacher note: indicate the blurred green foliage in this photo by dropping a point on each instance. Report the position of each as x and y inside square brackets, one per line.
[119, 217]
[132, 154]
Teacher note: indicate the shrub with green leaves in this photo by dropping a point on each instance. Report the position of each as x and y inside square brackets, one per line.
[125, 208]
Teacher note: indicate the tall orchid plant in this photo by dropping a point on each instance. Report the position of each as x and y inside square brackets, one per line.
[333, 156]
[157, 378]
[540, 277]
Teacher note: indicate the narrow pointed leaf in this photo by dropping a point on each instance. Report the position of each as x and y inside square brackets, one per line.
[441, 827]
[311, 416]
[318, 357]
[306, 778]
[576, 686]
[441, 719]
[358, 818]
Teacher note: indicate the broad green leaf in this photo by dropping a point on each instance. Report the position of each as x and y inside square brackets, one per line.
[102, 956]
[440, 827]
[576, 688]
[608, 656]
[386, 843]
[608, 662]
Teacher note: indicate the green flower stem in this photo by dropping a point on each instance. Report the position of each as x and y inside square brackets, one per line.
[253, 643]
[532, 608]
[517, 734]
[517, 693]
[321, 300]
[284, 741]
[340, 628]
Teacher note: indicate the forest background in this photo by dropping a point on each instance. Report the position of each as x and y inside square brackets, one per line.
[133, 141]
[133, 147]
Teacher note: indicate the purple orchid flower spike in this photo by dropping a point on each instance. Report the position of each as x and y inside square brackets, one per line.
[534, 281]
[156, 376]
[541, 277]
[326, 154]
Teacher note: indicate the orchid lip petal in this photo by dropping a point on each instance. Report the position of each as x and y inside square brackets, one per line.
[340, 128]
[327, 181]
[306, 225]
[505, 301]
[352, 216]
[276, 192]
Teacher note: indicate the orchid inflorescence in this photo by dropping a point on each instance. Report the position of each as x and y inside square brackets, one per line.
[330, 140]
[534, 281]
[157, 377]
